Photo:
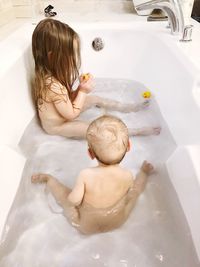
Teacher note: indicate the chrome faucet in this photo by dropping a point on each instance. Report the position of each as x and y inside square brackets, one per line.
[175, 15]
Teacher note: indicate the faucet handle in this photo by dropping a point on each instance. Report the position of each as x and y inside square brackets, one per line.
[187, 33]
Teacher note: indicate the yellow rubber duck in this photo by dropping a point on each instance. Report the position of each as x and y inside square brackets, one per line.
[86, 76]
[146, 94]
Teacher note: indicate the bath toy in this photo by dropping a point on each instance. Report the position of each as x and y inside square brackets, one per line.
[146, 94]
[86, 76]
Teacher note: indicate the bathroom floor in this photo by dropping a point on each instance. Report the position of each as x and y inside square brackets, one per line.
[156, 234]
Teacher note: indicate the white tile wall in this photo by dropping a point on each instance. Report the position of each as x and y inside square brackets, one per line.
[10, 9]
[96, 6]
[6, 11]
[21, 2]
[25, 8]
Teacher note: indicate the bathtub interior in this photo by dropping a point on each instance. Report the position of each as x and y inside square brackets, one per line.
[35, 218]
[16, 111]
[15, 101]
[160, 68]
[39, 220]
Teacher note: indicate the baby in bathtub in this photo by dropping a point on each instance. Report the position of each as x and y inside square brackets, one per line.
[104, 195]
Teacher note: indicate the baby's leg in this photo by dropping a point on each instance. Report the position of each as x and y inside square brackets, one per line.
[58, 190]
[110, 104]
[144, 131]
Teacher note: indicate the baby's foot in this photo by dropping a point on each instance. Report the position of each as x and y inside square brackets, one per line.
[145, 131]
[39, 178]
[139, 106]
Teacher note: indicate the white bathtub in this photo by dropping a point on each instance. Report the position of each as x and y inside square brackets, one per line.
[137, 51]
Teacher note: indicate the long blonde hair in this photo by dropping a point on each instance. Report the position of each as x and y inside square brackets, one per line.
[56, 51]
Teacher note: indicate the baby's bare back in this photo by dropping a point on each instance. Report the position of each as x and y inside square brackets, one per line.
[107, 201]
[105, 186]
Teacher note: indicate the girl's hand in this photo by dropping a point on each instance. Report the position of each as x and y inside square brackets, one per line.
[86, 83]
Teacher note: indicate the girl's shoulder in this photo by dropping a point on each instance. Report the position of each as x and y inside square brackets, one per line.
[55, 90]
[53, 84]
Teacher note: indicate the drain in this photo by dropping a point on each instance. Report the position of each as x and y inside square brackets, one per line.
[97, 44]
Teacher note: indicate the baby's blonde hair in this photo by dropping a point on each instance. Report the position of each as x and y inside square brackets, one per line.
[108, 139]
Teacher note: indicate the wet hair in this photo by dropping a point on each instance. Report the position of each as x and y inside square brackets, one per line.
[56, 52]
[108, 139]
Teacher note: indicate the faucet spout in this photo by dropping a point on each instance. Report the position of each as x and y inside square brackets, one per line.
[173, 10]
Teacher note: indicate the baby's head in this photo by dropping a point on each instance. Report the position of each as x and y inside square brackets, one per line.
[108, 139]
[56, 51]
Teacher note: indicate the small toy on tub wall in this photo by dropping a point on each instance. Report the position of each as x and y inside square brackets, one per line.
[48, 11]
[146, 94]
[86, 76]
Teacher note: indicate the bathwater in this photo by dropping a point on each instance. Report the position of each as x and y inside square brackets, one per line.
[156, 234]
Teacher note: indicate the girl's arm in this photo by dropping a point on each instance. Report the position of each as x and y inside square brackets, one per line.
[68, 109]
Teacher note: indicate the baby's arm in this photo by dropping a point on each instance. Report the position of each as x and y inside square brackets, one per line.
[64, 196]
[58, 190]
[141, 177]
[71, 109]
[76, 196]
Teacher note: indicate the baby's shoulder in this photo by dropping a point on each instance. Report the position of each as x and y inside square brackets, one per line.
[127, 175]
[86, 173]
[126, 172]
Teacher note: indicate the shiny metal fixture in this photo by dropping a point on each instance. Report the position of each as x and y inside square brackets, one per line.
[175, 15]
[187, 33]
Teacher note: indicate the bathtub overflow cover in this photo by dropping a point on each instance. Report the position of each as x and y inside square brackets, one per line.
[97, 44]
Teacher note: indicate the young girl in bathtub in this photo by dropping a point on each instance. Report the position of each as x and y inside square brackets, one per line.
[56, 51]
[103, 196]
